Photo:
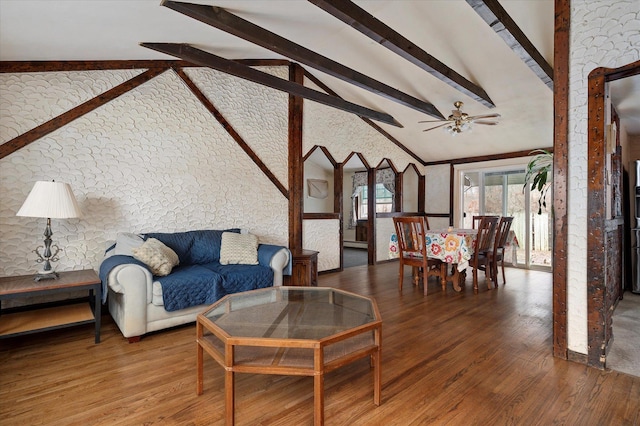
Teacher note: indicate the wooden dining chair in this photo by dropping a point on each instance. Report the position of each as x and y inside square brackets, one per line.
[475, 220]
[412, 250]
[497, 254]
[480, 260]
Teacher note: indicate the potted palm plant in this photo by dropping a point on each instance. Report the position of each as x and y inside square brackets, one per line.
[537, 175]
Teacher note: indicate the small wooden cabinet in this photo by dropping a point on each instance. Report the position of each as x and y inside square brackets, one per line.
[361, 229]
[304, 269]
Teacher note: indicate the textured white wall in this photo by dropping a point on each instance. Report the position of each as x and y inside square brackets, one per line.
[437, 184]
[384, 229]
[153, 159]
[410, 191]
[323, 236]
[317, 205]
[604, 33]
[343, 133]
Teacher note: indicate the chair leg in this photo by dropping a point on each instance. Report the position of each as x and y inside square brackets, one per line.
[504, 278]
[443, 276]
[475, 279]
[401, 276]
[488, 274]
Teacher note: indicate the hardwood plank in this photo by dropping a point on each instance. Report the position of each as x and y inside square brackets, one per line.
[223, 20]
[447, 358]
[361, 20]
[206, 59]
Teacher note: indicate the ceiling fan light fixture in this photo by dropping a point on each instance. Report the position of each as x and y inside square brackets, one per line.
[459, 121]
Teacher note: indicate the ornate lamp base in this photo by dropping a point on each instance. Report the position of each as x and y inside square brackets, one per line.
[49, 275]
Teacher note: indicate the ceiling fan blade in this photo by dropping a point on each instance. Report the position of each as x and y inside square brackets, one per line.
[432, 121]
[437, 127]
[489, 123]
[475, 117]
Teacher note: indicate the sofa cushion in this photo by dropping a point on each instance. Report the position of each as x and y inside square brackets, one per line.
[157, 256]
[239, 249]
[190, 285]
[194, 247]
[236, 278]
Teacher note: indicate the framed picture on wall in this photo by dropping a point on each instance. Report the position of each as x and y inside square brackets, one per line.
[317, 188]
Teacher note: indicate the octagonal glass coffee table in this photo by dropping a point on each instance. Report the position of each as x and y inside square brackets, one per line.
[301, 331]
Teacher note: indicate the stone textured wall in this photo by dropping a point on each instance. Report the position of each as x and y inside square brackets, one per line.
[343, 133]
[437, 184]
[323, 236]
[153, 159]
[604, 33]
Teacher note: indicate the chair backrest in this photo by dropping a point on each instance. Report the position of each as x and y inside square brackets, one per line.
[486, 234]
[477, 219]
[410, 231]
[502, 232]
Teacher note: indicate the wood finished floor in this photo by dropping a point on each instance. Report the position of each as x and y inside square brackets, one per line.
[448, 358]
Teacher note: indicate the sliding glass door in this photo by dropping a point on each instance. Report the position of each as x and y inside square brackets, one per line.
[502, 193]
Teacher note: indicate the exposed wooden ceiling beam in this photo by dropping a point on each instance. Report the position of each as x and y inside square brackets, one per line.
[232, 24]
[494, 14]
[353, 15]
[206, 59]
[67, 117]
[379, 129]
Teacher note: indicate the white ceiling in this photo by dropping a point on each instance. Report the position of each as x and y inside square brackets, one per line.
[450, 30]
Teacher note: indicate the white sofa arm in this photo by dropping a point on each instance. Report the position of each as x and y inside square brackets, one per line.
[278, 262]
[130, 288]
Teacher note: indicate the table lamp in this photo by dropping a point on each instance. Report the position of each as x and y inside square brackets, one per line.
[49, 200]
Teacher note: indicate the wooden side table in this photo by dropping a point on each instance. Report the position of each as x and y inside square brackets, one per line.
[40, 318]
[304, 269]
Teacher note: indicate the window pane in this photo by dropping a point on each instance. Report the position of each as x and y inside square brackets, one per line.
[471, 200]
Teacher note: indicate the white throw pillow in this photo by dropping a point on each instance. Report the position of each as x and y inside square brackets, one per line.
[238, 249]
[126, 242]
[157, 256]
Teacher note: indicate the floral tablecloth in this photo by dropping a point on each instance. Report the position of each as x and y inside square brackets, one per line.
[455, 246]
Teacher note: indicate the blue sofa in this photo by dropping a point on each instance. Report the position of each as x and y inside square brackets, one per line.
[140, 302]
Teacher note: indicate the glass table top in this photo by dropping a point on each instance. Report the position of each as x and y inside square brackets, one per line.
[309, 313]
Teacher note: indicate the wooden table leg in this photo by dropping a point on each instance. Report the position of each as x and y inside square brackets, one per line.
[229, 386]
[229, 398]
[318, 387]
[456, 279]
[200, 359]
[377, 372]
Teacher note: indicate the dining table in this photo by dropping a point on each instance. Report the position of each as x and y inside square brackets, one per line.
[455, 247]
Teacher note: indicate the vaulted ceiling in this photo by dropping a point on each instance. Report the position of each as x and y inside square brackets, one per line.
[421, 56]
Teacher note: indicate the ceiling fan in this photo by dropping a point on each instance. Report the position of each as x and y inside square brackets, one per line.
[460, 121]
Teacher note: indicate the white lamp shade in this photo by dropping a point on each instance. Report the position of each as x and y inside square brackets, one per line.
[50, 200]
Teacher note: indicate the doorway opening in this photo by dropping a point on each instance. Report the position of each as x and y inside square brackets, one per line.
[501, 191]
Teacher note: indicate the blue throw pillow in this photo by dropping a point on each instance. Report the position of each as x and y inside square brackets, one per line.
[194, 247]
